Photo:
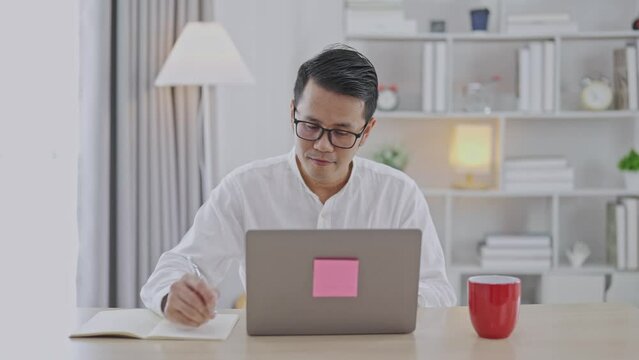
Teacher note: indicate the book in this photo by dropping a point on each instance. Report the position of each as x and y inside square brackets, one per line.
[375, 5]
[375, 15]
[631, 63]
[523, 78]
[611, 233]
[515, 252]
[541, 174]
[144, 324]
[637, 61]
[516, 263]
[632, 247]
[517, 241]
[428, 82]
[536, 75]
[620, 217]
[539, 186]
[378, 21]
[625, 78]
[542, 29]
[535, 162]
[549, 76]
[440, 76]
[550, 18]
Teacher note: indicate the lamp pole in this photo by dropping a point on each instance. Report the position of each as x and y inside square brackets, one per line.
[209, 152]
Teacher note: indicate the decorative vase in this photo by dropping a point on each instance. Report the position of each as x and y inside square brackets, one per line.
[632, 180]
[577, 254]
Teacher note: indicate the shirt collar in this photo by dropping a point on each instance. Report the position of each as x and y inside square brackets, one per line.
[295, 169]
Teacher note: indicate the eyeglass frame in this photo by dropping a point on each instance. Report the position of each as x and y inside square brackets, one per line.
[329, 131]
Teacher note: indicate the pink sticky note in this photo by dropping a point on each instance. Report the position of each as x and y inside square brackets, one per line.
[335, 277]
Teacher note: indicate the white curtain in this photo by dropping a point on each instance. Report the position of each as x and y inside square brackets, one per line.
[141, 146]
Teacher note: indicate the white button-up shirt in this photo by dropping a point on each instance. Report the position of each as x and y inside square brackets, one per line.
[271, 194]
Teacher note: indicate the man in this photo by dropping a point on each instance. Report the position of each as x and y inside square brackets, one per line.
[318, 185]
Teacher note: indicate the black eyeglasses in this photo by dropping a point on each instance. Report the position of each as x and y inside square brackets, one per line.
[310, 131]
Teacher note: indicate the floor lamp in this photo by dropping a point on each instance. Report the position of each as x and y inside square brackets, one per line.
[204, 55]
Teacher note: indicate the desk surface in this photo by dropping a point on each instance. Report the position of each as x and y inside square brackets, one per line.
[597, 331]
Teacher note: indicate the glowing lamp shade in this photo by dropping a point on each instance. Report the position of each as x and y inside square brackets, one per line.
[471, 151]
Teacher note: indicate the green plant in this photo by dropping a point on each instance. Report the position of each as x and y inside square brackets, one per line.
[393, 156]
[630, 162]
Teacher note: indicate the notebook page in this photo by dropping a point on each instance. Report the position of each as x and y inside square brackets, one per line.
[127, 322]
[217, 329]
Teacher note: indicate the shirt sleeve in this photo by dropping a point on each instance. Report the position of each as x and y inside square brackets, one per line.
[434, 288]
[214, 241]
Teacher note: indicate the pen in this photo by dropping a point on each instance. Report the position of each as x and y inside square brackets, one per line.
[194, 267]
[196, 271]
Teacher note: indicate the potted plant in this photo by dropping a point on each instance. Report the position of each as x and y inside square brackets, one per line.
[629, 165]
[394, 156]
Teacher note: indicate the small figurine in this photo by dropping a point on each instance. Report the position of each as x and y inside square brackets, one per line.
[578, 254]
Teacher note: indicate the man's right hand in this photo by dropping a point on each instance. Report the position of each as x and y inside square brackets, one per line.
[191, 301]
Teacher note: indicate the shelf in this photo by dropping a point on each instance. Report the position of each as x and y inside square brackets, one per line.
[601, 35]
[567, 270]
[418, 115]
[445, 192]
[469, 36]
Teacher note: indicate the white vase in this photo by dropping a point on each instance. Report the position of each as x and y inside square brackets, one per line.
[632, 180]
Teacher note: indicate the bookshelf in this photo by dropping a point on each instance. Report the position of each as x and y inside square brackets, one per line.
[464, 217]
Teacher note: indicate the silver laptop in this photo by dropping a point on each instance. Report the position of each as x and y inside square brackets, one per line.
[303, 282]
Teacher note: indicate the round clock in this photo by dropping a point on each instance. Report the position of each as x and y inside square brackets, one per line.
[596, 95]
[388, 99]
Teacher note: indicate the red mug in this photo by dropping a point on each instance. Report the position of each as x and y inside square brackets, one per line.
[493, 302]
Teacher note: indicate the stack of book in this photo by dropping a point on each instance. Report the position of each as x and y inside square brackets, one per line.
[516, 251]
[625, 77]
[434, 76]
[535, 24]
[622, 235]
[536, 76]
[378, 17]
[539, 173]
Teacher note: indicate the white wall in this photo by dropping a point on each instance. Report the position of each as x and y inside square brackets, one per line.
[38, 172]
[274, 38]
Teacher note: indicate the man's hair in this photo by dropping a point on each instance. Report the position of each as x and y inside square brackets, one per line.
[341, 69]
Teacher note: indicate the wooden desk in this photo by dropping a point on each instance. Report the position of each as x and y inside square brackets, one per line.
[598, 331]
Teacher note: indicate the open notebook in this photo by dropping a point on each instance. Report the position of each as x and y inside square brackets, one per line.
[144, 324]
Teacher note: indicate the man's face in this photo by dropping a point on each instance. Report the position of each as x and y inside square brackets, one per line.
[320, 161]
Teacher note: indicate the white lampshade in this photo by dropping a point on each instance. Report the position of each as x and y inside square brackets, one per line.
[204, 54]
[471, 150]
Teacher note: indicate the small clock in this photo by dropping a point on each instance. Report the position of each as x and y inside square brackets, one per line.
[388, 98]
[596, 95]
